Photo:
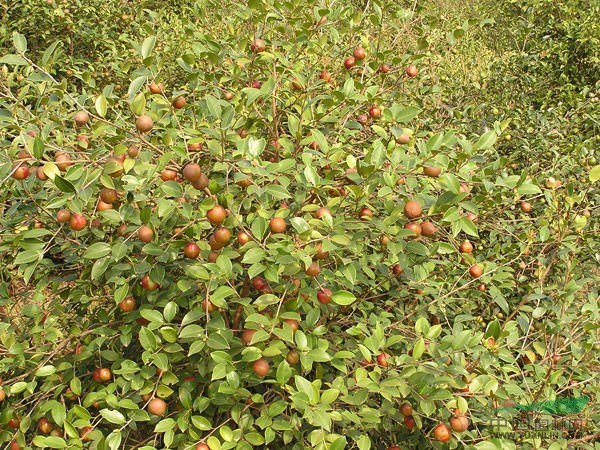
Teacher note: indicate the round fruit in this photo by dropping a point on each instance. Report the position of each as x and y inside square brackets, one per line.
[216, 215]
[472, 217]
[40, 173]
[77, 222]
[156, 88]
[411, 71]
[409, 422]
[384, 68]
[108, 195]
[384, 240]
[212, 256]
[63, 215]
[322, 212]
[81, 118]
[191, 250]
[362, 119]
[359, 53]
[202, 446]
[168, 175]
[374, 112]
[432, 171]
[260, 284]
[148, 284]
[63, 161]
[414, 227]
[412, 209]
[406, 409]
[365, 213]
[101, 375]
[475, 271]
[442, 432]
[277, 225]
[2, 394]
[145, 233]
[14, 445]
[466, 247]
[243, 237]
[397, 269]
[208, 306]
[44, 426]
[349, 63]
[144, 123]
[292, 357]
[179, 102]
[404, 138]
[195, 146]
[481, 287]
[214, 245]
[393, 447]
[292, 323]
[324, 295]
[261, 367]
[459, 423]
[382, 359]
[428, 229]
[256, 84]
[526, 207]
[313, 270]
[228, 95]
[222, 235]
[201, 183]
[258, 45]
[102, 207]
[247, 335]
[157, 406]
[192, 172]
[127, 304]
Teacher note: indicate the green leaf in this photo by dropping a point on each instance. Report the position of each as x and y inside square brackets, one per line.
[343, 298]
[14, 60]
[49, 441]
[407, 114]
[148, 46]
[138, 104]
[363, 442]
[486, 141]
[97, 250]
[38, 147]
[113, 416]
[101, 105]
[595, 174]
[45, 371]
[20, 42]
[136, 85]
[64, 185]
[27, 256]
[311, 175]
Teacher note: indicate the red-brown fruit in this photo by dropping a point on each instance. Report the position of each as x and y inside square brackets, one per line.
[322, 212]
[216, 215]
[359, 53]
[148, 284]
[258, 45]
[247, 335]
[277, 225]
[411, 71]
[409, 422]
[228, 95]
[145, 233]
[374, 112]
[156, 88]
[428, 229]
[292, 323]
[108, 195]
[384, 68]
[412, 209]
[192, 172]
[526, 207]
[208, 306]
[179, 102]
[191, 250]
[243, 237]
[349, 62]
[414, 227]
[466, 247]
[406, 409]
[63, 215]
[40, 174]
[261, 367]
[459, 423]
[168, 175]
[222, 235]
[365, 213]
[127, 304]
[313, 269]
[324, 295]
[292, 357]
[101, 206]
[144, 123]
[157, 406]
[363, 119]
[81, 118]
[475, 270]
[201, 183]
[77, 222]
[260, 284]
[397, 269]
[202, 446]
[325, 76]
[404, 138]
[20, 171]
[442, 432]
[382, 359]
[431, 171]
[44, 426]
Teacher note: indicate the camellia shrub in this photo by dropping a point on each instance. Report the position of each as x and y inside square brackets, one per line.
[275, 250]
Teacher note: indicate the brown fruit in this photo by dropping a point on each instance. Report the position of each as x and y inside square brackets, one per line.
[101, 206]
[349, 63]
[406, 409]
[363, 119]
[127, 304]
[222, 235]
[359, 53]
[133, 151]
[292, 323]
[2, 394]
[459, 423]
[292, 357]
[216, 215]
[208, 306]
[313, 269]
[148, 284]
[412, 209]
[44, 426]
[145, 233]
[101, 375]
[526, 207]
[214, 245]
[84, 433]
[475, 270]
[472, 217]
[382, 359]
[192, 172]
[157, 406]
[466, 247]
[258, 45]
[247, 335]
[481, 287]
[202, 446]
[260, 283]
[39, 172]
[374, 112]
[243, 237]
[77, 222]
[63, 215]
[414, 227]
[432, 171]
[428, 229]
[256, 84]
[384, 68]
[195, 146]
[393, 447]
[156, 88]
[228, 95]
[384, 240]
[261, 367]
[179, 102]
[411, 71]
[397, 269]
[63, 161]
[144, 123]
[404, 138]
[442, 432]
[201, 183]
[324, 295]
[168, 175]
[108, 195]
[409, 422]
[322, 212]
[365, 213]
[191, 250]
[81, 118]
[20, 171]
[325, 76]
[277, 225]
[212, 256]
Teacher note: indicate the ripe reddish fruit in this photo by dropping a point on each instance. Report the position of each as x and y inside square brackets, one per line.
[526, 207]
[192, 172]
[14, 445]
[313, 269]
[412, 209]
[40, 174]
[81, 118]
[245, 182]
[404, 138]
[148, 284]
[428, 229]
[397, 269]
[191, 250]
[101, 375]
[277, 225]
[409, 422]
[256, 84]
[374, 112]
[414, 227]
[466, 247]
[365, 213]
[20, 171]
[258, 45]
[382, 359]
[481, 287]
[168, 175]
[216, 215]
[101, 206]
[208, 306]
[202, 446]
[214, 245]
[475, 270]
[82, 138]
[145, 233]
[44, 426]
[349, 63]
[472, 217]
[247, 335]
[406, 409]
[63, 215]
[144, 123]
[212, 256]
[320, 253]
[325, 76]
[14, 423]
[195, 146]
[359, 53]
[156, 88]
[411, 71]
[222, 235]
[201, 183]
[108, 195]
[157, 406]
[228, 95]
[432, 171]
[84, 433]
[324, 295]
[459, 423]
[292, 323]
[261, 367]
[179, 102]
[243, 237]
[384, 68]
[293, 357]
[322, 212]
[442, 432]
[127, 304]
[77, 222]
[362, 119]
[260, 283]
[2, 394]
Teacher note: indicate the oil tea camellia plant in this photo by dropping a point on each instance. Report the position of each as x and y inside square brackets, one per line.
[223, 255]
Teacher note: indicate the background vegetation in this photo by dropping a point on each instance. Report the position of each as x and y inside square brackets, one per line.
[505, 104]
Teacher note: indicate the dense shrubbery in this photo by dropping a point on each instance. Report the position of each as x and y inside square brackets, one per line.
[363, 253]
